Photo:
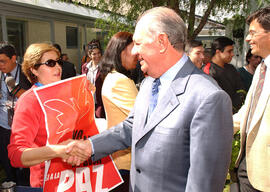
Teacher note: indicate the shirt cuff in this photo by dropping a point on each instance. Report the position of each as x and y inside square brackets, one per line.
[93, 149]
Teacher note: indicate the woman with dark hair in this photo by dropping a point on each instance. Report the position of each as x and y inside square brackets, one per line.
[86, 58]
[246, 72]
[119, 92]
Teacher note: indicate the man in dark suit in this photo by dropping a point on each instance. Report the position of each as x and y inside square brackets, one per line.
[68, 69]
[13, 83]
[180, 129]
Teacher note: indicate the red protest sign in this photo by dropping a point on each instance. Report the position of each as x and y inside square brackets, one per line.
[68, 108]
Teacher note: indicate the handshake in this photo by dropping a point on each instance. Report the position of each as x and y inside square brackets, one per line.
[75, 152]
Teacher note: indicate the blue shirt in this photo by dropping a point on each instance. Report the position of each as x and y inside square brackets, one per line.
[4, 102]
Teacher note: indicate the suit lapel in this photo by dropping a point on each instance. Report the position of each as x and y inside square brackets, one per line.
[262, 104]
[167, 103]
[144, 103]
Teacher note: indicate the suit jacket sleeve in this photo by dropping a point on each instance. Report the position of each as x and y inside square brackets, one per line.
[113, 139]
[24, 83]
[236, 121]
[68, 70]
[210, 144]
[242, 115]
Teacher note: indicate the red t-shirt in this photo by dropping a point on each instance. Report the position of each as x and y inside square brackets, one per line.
[28, 131]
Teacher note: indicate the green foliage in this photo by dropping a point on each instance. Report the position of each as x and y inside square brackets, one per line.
[235, 149]
[131, 9]
[262, 3]
[112, 27]
[237, 25]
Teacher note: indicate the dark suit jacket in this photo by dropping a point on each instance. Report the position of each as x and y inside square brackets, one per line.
[99, 112]
[186, 143]
[23, 82]
[68, 70]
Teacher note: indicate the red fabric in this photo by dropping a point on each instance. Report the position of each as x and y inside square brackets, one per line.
[206, 69]
[84, 68]
[28, 131]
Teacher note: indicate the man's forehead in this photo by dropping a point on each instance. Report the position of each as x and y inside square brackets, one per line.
[198, 48]
[255, 26]
[4, 56]
[229, 47]
[139, 32]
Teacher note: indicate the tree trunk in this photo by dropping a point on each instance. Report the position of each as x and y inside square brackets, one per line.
[157, 3]
[174, 4]
[191, 18]
[203, 20]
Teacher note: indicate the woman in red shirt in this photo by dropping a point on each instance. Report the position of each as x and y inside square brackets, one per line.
[28, 138]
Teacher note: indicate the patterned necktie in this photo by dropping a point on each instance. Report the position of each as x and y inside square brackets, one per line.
[257, 93]
[154, 96]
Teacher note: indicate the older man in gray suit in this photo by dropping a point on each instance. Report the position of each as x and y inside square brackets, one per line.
[180, 130]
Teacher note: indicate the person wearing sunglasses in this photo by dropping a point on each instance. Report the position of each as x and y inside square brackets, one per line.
[86, 58]
[28, 138]
[93, 75]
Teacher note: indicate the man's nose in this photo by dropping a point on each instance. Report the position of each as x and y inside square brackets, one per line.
[202, 56]
[248, 38]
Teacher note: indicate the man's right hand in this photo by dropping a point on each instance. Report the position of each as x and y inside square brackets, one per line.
[78, 151]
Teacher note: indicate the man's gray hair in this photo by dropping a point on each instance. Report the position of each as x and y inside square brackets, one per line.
[165, 20]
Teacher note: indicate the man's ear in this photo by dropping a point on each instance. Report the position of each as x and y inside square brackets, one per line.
[13, 58]
[218, 51]
[163, 42]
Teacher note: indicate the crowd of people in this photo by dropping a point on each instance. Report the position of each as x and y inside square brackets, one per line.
[171, 106]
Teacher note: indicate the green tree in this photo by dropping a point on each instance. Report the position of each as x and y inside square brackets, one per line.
[123, 13]
[131, 9]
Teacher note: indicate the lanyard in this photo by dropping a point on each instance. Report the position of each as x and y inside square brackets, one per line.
[38, 84]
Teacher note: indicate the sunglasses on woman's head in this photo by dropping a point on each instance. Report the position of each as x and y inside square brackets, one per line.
[93, 46]
[49, 63]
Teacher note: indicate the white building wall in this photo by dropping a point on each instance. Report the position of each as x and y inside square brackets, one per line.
[37, 32]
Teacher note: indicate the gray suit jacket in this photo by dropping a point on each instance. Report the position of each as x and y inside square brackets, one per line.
[186, 143]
